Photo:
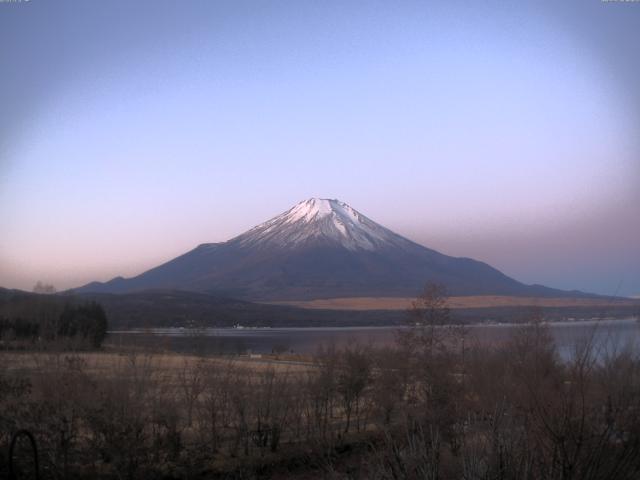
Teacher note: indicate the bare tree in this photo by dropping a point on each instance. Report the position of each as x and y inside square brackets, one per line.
[428, 315]
[45, 288]
[354, 375]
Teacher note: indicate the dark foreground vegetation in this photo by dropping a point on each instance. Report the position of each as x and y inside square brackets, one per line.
[434, 407]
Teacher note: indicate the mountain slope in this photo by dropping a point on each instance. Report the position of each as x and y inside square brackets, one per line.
[320, 249]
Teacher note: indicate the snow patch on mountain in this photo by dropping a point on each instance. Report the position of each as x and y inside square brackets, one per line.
[321, 220]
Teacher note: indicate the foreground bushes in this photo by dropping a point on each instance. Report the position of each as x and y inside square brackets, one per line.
[434, 407]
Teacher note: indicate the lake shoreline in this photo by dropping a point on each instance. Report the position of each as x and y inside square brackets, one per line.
[200, 331]
[307, 340]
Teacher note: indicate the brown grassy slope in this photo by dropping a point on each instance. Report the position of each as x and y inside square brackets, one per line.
[478, 301]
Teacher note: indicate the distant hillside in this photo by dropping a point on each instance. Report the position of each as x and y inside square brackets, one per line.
[164, 308]
[192, 309]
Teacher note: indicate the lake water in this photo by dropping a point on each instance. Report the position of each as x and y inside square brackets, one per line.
[606, 334]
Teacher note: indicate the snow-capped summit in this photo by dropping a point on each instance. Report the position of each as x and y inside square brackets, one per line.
[311, 209]
[321, 221]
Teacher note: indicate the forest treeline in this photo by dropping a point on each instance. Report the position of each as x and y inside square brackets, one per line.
[30, 320]
[435, 406]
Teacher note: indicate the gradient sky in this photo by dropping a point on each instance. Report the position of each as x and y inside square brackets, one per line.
[131, 131]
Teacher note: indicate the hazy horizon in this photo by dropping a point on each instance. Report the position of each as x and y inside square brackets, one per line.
[132, 132]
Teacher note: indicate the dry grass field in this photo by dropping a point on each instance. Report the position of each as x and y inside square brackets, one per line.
[477, 301]
[170, 364]
[435, 405]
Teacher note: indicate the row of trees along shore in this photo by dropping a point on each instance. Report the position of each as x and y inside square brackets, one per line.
[28, 321]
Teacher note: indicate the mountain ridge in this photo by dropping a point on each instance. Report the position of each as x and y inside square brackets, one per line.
[321, 248]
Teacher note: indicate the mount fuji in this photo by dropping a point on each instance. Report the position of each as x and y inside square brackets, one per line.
[320, 248]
